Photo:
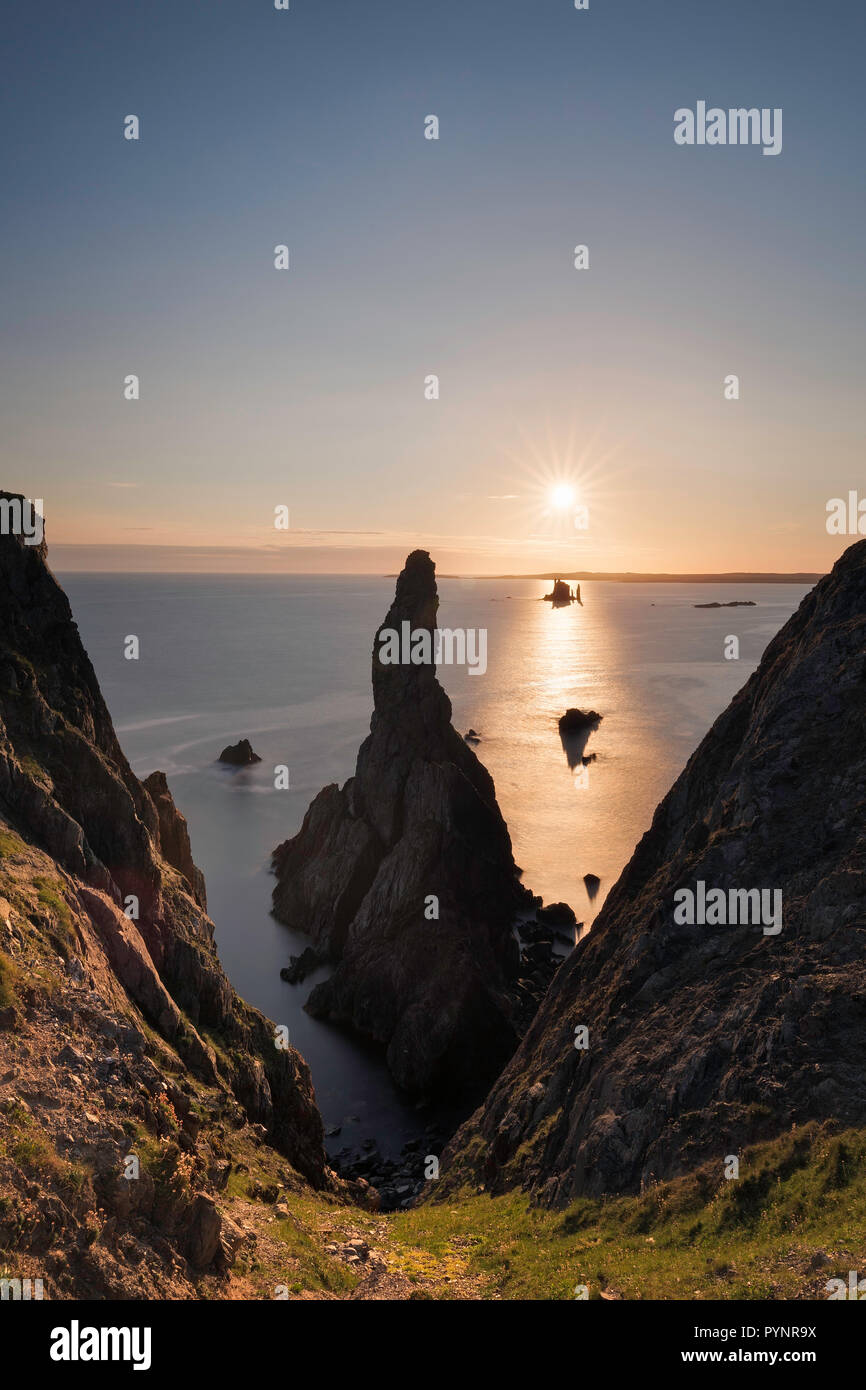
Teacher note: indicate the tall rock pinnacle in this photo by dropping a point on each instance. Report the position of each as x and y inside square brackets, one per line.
[417, 823]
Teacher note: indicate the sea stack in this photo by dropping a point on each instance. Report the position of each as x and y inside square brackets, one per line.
[405, 879]
[560, 594]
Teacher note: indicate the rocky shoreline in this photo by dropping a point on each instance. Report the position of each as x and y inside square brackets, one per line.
[391, 1184]
[545, 936]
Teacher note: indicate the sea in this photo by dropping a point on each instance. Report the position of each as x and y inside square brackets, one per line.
[285, 662]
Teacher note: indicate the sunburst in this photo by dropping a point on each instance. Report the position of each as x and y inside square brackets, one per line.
[565, 487]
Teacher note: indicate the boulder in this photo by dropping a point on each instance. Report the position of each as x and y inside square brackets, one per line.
[203, 1230]
[557, 915]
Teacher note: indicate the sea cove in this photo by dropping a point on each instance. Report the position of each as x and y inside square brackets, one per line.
[639, 653]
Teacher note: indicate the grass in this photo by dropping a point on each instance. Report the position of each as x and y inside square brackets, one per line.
[10, 979]
[22, 1141]
[309, 1268]
[301, 1265]
[49, 896]
[161, 1158]
[800, 1197]
[10, 844]
[34, 769]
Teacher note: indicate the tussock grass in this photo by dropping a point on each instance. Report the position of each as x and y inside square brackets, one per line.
[10, 981]
[49, 893]
[10, 844]
[22, 1141]
[795, 1218]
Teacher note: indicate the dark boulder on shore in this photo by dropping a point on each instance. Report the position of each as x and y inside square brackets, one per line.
[239, 754]
[405, 878]
[557, 915]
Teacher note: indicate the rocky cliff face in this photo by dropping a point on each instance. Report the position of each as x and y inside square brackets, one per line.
[97, 879]
[419, 820]
[174, 842]
[702, 1038]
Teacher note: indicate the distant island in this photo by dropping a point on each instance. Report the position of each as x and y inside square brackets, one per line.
[627, 577]
[562, 594]
[732, 603]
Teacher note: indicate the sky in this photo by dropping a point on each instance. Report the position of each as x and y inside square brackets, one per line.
[600, 389]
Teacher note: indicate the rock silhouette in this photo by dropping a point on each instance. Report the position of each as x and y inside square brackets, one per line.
[239, 754]
[561, 594]
[575, 727]
[405, 879]
[575, 721]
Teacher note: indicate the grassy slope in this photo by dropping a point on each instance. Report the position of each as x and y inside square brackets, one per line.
[795, 1218]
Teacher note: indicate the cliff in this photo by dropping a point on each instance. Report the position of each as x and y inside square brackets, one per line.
[418, 821]
[705, 1038]
[110, 985]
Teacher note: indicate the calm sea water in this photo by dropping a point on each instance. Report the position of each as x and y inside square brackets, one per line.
[285, 662]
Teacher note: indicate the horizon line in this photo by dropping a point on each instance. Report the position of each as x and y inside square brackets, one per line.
[599, 576]
[144, 558]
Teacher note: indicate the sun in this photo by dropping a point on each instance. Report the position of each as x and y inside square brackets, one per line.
[561, 497]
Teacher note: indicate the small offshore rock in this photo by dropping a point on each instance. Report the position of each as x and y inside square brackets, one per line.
[239, 754]
[299, 967]
[574, 721]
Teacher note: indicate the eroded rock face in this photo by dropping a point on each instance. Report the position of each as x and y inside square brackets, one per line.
[66, 788]
[705, 1038]
[418, 822]
[174, 835]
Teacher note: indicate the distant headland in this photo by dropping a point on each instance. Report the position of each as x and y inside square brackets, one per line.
[628, 577]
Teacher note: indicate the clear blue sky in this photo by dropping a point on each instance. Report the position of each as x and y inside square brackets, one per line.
[454, 257]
